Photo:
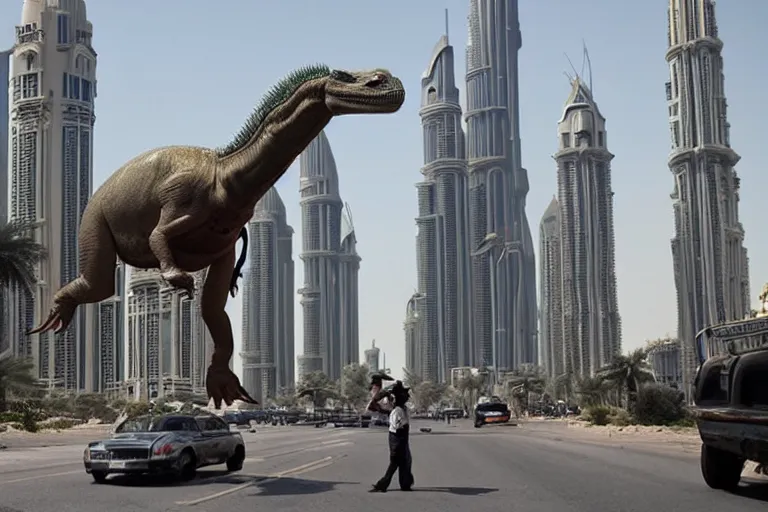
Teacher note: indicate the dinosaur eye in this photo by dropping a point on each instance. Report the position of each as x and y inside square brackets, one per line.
[342, 76]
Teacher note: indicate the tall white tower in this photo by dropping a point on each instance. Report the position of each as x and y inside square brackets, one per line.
[52, 91]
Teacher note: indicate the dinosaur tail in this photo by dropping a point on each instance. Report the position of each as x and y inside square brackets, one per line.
[237, 272]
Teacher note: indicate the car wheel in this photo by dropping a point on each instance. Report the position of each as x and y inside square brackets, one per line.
[185, 466]
[235, 462]
[99, 476]
[478, 423]
[721, 469]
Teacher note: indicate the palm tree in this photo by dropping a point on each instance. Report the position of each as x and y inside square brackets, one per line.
[628, 372]
[318, 387]
[526, 381]
[19, 253]
[15, 377]
[591, 391]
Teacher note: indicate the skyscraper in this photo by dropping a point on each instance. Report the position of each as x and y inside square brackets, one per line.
[322, 296]
[268, 353]
[349, 268]
[5, 69]
[589, 304]
[412, 328]
[165, 337]
[552, 346]
[710, 261]
[372, 357]
[442, 243]
[503, 264]
[109, 350]
[52, 87]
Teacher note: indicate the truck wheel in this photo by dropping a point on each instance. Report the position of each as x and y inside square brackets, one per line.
[235, 462]
[720, 469]
[99, 476]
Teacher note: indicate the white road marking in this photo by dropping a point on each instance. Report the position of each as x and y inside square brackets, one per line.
[321, 463]
[40, 477]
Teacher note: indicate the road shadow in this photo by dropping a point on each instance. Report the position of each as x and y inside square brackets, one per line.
[202, 478]
[295, 486]
[754, 490]
[458, 491]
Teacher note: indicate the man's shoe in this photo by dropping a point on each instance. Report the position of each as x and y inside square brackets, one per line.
[375, 488]
[406, 489]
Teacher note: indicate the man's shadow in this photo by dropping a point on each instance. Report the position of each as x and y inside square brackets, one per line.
[459, 491]
[295, 486]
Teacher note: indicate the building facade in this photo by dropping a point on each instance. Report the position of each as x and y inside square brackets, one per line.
[109, 350]
[268, 328]
[503, 261]
[322, 296]
[349, 308]
[166, 339]
[710, 261]
[372, 357]
[442, 242]
[589, 302]
[664, 358]
[52, 89]
[5, 70]
[552, 350]
[412, 332]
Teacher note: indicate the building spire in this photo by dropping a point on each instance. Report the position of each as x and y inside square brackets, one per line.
[446, 25]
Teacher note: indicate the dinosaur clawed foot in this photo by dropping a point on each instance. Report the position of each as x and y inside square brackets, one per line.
[58, 320]
[233, 288]
[180, 280]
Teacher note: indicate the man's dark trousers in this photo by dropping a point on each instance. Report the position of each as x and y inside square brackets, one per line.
[400, 461]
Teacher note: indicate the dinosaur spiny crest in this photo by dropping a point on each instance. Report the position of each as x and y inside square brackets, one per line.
[278, 94]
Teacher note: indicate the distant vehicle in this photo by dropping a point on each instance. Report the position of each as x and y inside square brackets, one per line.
[173, 443]
[731, 397]
[491, 410]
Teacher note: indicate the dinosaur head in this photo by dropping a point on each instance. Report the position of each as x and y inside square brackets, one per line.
[363, 92]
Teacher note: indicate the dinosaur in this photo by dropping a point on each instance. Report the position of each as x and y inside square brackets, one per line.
[181, 209]
[237, 273]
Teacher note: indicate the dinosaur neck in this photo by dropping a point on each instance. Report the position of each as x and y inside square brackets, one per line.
[247, 174]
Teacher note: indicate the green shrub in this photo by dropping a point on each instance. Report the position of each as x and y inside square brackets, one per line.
[658, 404]
[597, 414]
[10, 417]
[59, 423]
[134, 409]
[620, 418]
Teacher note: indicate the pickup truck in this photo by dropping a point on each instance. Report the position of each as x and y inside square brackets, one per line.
[730, 393]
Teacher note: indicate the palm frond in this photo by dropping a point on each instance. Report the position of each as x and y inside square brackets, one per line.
[19, 253]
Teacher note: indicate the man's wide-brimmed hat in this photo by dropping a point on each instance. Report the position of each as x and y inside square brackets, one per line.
[398, 388]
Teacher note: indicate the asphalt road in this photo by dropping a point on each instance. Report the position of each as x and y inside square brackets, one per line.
[526, 469]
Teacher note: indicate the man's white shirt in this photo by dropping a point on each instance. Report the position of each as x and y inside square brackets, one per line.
[398, 418]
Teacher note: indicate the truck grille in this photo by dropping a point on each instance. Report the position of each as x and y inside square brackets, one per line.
[129, 454]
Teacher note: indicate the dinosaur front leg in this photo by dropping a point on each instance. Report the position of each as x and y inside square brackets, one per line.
[221, 383]
[98, 257]
[169, 226]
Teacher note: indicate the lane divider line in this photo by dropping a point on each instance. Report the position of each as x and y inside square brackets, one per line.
[325, 461]
[40, 477]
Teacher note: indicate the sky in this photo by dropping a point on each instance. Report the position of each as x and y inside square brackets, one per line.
[188, 72]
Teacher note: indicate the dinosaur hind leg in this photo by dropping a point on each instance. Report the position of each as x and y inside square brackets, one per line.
[98, 257]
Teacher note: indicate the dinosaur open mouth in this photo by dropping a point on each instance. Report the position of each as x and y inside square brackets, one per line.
[377, 80]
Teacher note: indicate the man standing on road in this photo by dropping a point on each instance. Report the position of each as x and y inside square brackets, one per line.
[399, 448]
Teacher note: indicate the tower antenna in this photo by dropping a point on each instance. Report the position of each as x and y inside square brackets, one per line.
[446, 25]
[588, 63]
[572, 66]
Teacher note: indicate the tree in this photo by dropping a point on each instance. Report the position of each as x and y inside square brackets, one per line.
[411, 378]
[591, 391]
[16, 378]
[628, 373]
[19, 253]
[563, 386]
[318, 387]
[354, 385]
[286, 397]
[426, 394]
[469, 387]
[524, 382]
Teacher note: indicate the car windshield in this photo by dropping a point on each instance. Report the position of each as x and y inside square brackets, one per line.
[140, 424]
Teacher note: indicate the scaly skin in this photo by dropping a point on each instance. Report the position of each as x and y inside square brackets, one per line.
[181, 209]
